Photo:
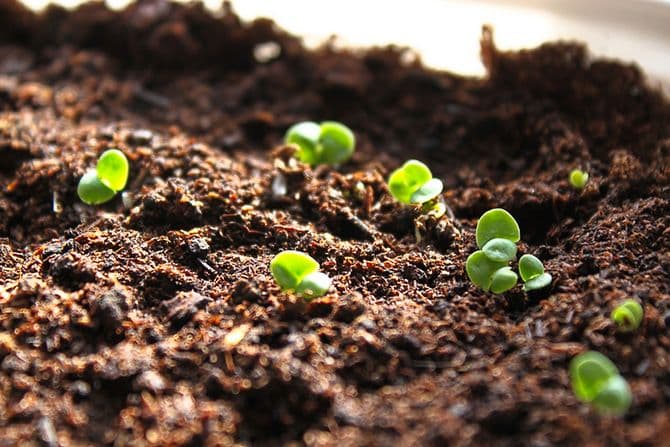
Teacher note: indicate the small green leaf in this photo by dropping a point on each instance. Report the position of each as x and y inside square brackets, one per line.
[92, 191]
[336, 143]
[578, 178]
[539, 282]
[502, 280]
[628, 315]
[290, 267]
[497, 223]
[305, 135]
[112, 169]
[614, 397]
[500, 250]
[407, 180]
[589, 372]
[314, 285]
[428, 191]
[530, 267]
[480, 269]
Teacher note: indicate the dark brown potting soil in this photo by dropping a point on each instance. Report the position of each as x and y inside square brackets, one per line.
[154, 320]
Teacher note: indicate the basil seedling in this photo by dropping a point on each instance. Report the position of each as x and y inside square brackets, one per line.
[532, 272]
[299, 272]
[596, 380]
[628, 315]
[109, 177]
[413, 183]
[578, 178]
[327, 143]
[497, 234]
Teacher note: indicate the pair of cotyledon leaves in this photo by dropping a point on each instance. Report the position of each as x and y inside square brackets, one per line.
[101, 184]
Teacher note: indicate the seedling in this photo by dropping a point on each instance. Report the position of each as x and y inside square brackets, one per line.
[578, 178]
[297, 271]
[413, 183]
[497, 234]
[101, 184]
[327, 143]
[628, 315]
[532, 272]
[596, 380]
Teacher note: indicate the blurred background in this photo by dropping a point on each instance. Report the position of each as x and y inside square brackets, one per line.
[446, 32]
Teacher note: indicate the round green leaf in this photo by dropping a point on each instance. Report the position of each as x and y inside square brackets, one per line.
[112, 169]
[314, 285]
[502, 280]
[336, 143]
[628, 315]
[614, 397]
[305, 135]
[589, 372]
[406, 180]
[578, 178]
[92, 191]
[497, 223]
[539, 282]
[290, 267]
[480, 269]
[500, 250]
[530, 267]
[428, 191]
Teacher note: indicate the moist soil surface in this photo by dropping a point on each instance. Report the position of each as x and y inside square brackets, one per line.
[153, 319]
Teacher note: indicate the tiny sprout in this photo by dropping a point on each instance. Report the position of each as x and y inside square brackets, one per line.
[327, 143]
[297, 271]
[413, 183]
[628, 315]
[532, 273]
[595, 379]
[578, 178]
[109, 177]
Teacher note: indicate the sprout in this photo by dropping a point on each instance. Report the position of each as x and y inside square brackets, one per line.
[595, 379]
[413, 183]
[578, 178]
[497, 233]
[327, 143]
[628, 315]
[109, 177]
[532, 273]
[297, 271]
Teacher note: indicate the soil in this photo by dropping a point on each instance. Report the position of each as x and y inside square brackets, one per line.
[153, 320]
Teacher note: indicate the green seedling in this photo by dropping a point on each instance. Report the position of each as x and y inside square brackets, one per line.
[578, 178]
[532, 273]
[297, 271]
[497, 234]
[109, 177]
[596, 380]
[327, 143]
[413, 183]
[628, 315]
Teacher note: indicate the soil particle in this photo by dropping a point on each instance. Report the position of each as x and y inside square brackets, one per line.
[154, 319]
